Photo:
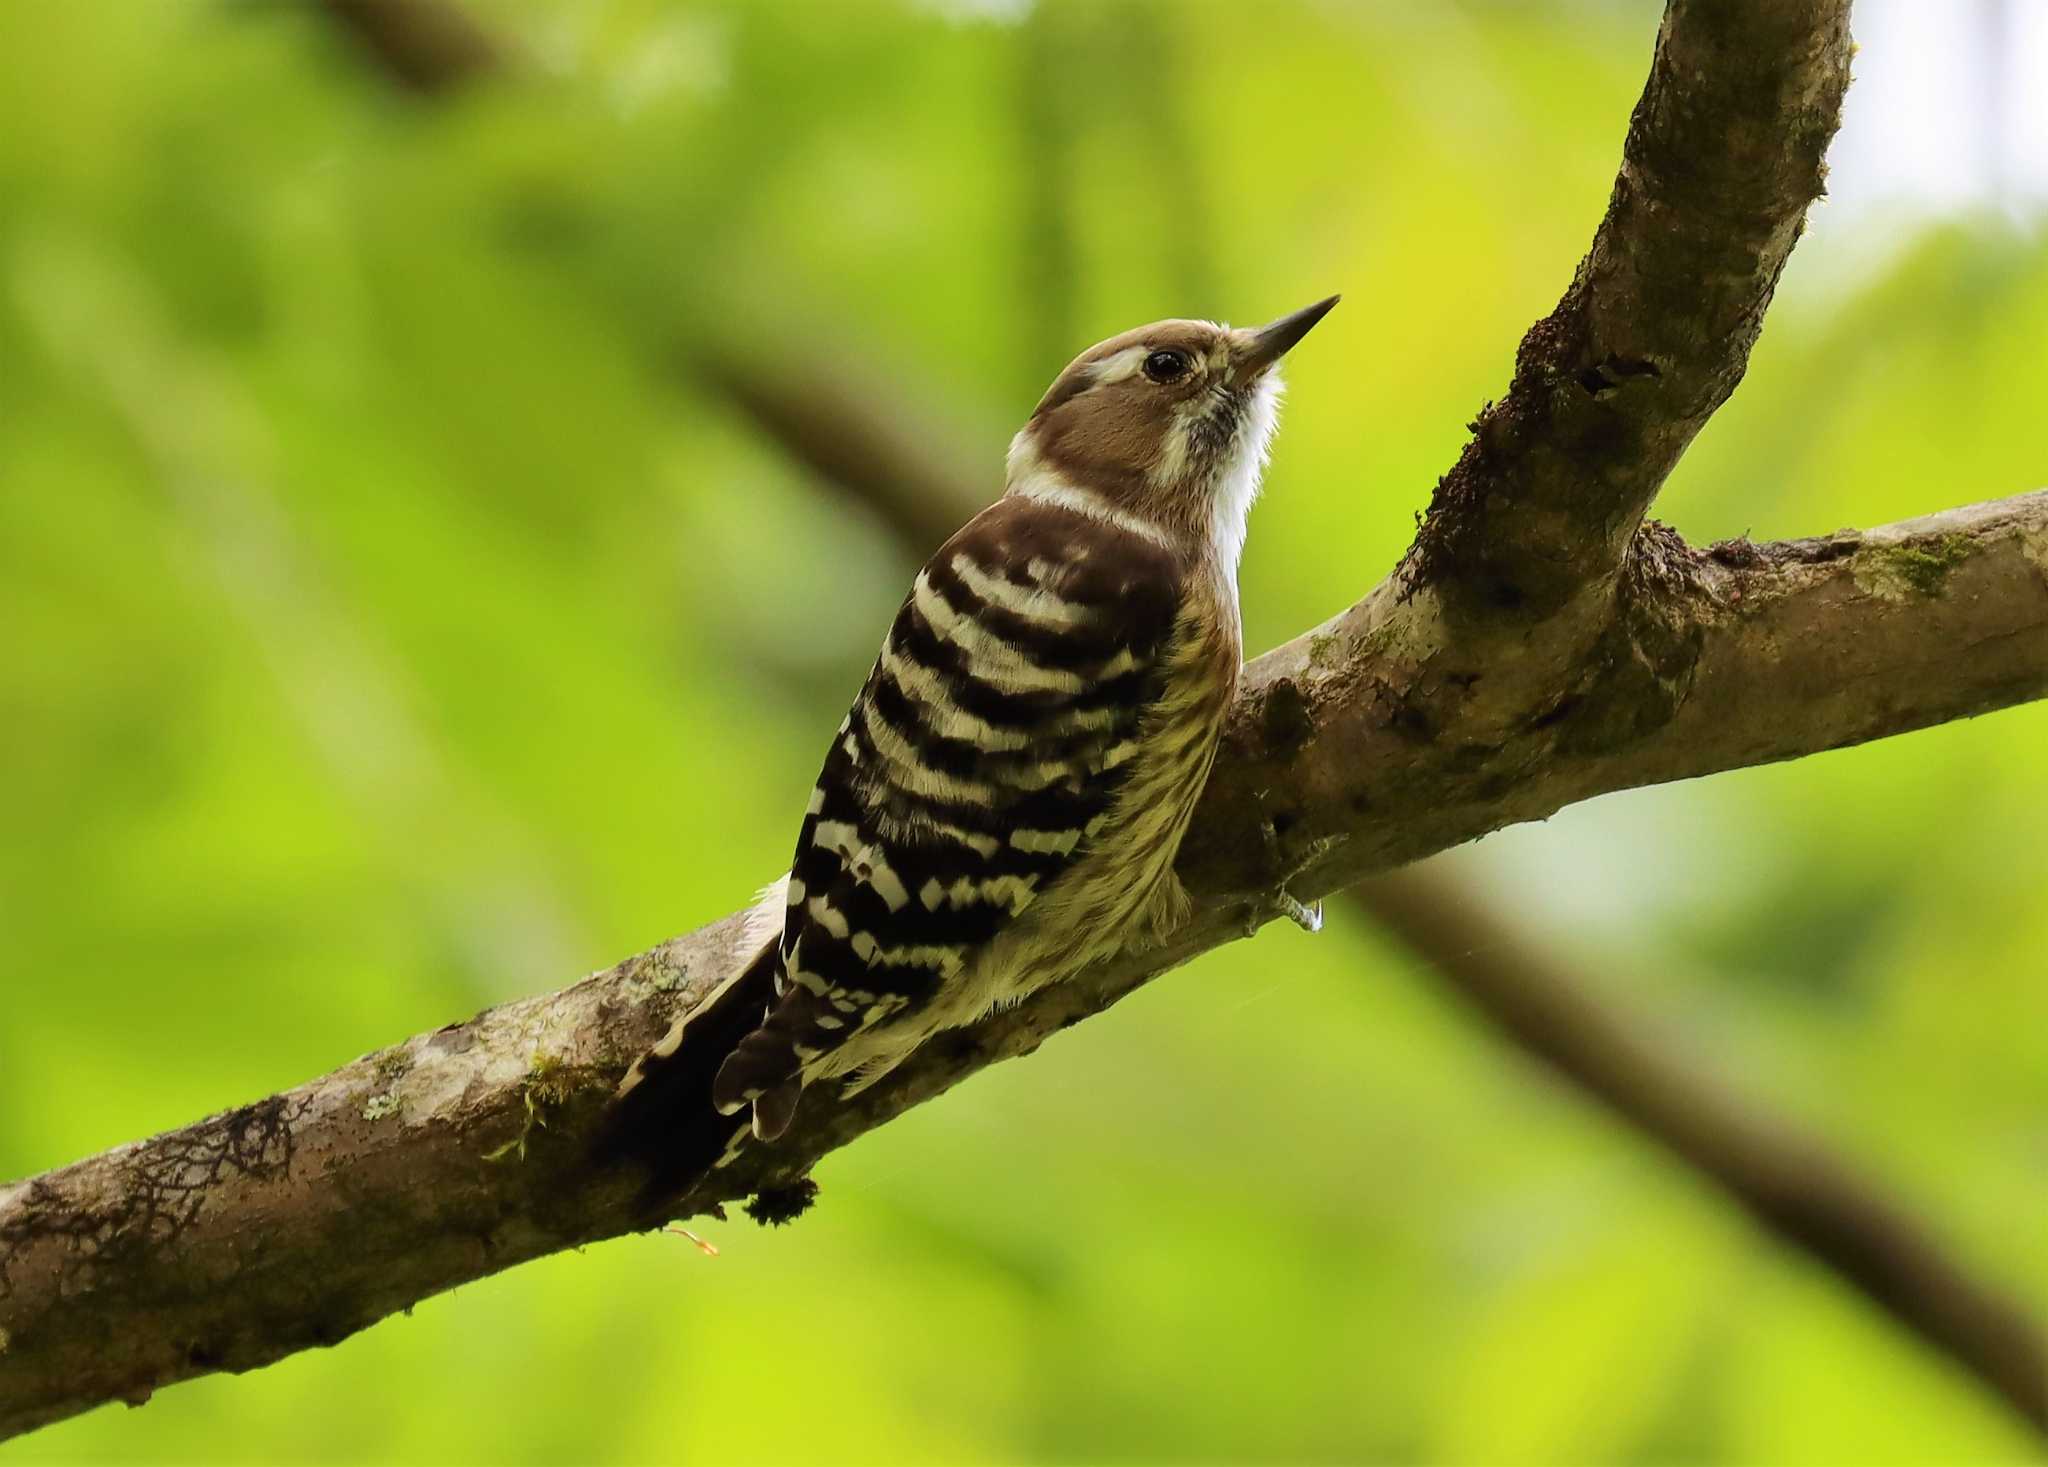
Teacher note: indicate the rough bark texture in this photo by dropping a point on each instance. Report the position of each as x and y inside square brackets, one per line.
[1724, 153]
[1536, 648]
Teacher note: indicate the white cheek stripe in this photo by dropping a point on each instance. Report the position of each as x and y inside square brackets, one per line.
[1173, 457]
[1121, 366]
[1045, 488]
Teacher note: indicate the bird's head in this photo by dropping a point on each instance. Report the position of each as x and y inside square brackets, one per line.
[1168, 424]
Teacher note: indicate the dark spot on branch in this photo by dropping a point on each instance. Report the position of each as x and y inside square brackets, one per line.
[1741, 553]
[1403, 714]
[1737, 554]
[772, 1207]
[1614, 372]
[1556, 713]
[1503, 595]
[1285, 721]
[1817, 550]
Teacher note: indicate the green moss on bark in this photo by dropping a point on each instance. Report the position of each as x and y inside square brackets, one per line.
[1919, 568]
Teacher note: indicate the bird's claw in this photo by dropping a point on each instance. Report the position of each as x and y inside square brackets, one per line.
[1281, 902]
[1308, 918]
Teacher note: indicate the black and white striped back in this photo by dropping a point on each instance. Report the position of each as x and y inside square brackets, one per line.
[974, 771]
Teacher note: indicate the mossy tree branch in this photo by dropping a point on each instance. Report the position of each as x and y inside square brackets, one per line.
[1538, 647]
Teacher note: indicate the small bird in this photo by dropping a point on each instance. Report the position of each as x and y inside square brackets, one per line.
[1003, 803]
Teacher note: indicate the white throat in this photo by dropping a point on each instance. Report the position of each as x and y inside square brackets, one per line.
[1233, 486]
[1239, 476]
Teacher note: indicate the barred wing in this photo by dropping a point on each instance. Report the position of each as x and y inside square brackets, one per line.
[979, 760]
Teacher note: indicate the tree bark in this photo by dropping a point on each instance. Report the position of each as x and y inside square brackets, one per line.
[1540, 645]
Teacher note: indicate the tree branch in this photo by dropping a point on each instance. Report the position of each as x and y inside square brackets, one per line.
[1724, 153]
[1793, 1185]
[1475, 690]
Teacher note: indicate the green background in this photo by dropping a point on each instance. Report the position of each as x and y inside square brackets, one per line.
[392, 623]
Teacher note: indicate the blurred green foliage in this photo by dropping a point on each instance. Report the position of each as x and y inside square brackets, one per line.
[391, 624]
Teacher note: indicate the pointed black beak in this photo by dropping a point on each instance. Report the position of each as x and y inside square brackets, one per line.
[1267, 344]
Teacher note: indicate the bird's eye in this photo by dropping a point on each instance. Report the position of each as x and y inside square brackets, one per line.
[1167, 366]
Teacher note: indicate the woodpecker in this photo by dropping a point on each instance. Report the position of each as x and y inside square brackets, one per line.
[1003, 803]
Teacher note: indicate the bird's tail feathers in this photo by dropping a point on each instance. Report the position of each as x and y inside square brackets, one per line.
[763, 1071]
[663, 1118]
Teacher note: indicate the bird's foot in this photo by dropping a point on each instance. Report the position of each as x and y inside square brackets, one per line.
[1279, 901]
